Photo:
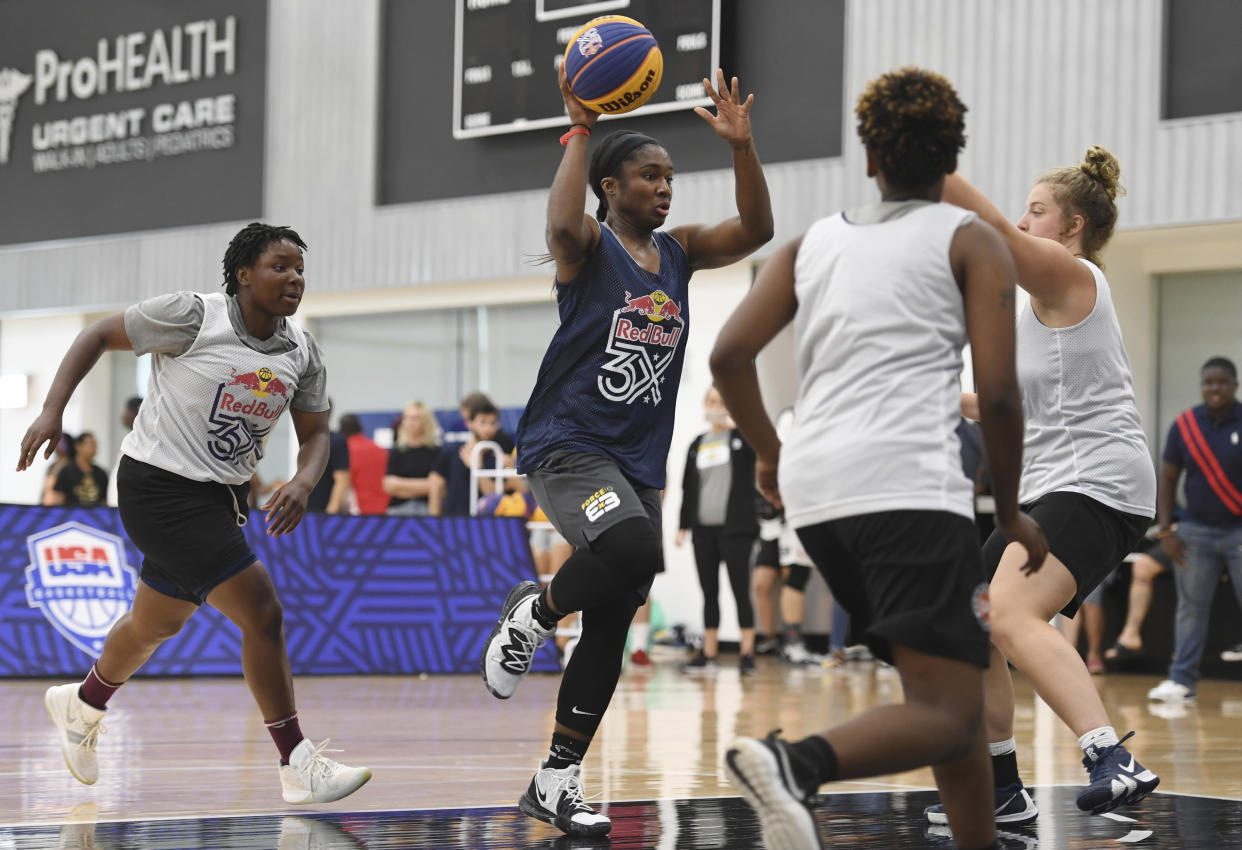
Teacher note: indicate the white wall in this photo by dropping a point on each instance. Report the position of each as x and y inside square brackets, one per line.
[34, 346]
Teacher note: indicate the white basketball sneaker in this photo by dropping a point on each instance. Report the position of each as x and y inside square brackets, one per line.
[312, 777]
[555, 797]
[509, 650]
[78, 724]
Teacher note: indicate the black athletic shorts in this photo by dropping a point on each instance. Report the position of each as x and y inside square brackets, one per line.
[768, 554]
[1089, 537]
[187, 531]
[907, 577]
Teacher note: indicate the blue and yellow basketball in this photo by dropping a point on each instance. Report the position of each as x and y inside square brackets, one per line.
[613, 64]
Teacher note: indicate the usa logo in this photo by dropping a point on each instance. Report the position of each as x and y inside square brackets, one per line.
[79, 578]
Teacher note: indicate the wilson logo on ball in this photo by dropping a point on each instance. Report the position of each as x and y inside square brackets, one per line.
[613, 64]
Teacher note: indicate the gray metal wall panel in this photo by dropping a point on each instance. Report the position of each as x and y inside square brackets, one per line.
[1043, 79]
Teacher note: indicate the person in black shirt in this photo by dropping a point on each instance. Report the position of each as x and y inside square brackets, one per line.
[81, 482]
[410, 462]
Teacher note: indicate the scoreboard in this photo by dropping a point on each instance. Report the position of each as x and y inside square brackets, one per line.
[507, 54]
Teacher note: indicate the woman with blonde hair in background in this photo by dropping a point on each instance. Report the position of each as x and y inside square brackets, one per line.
[410, 462]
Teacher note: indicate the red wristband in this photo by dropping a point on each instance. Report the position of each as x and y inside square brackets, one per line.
[576, 130]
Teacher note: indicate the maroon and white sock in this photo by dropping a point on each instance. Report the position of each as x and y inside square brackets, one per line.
[96, 690]
[287, 734]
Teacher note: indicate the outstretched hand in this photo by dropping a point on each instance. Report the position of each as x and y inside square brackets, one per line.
[732, 119]
[45, 429]
[578, 113]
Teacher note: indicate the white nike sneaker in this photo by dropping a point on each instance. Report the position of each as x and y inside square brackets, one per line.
[79, 727]
[555, 797]
[763, 773]
[1170, 691]
[312, 777]
[510, 649]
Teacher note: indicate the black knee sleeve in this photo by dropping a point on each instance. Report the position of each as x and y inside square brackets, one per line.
[594, 668]
[798, 577]
[623, 558]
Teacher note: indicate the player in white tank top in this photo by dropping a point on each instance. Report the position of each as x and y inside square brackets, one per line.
[1084, 441]
[201, 430]
[882, 299]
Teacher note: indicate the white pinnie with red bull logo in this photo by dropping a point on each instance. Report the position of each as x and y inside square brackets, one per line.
[642, 340]
[208, 412]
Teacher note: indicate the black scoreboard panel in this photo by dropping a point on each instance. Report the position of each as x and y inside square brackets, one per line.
[507, 54]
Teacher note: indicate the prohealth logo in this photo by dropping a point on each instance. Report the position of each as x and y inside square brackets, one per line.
[13, 84]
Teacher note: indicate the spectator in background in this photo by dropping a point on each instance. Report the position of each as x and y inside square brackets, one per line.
[478, 399]
[718, 510]
[408, 477]
[367, 463]
[81, 482]
[1206, 443]
[331, 492]
[451, 473]
[1148, 564]
[64, 454]
[128, 414]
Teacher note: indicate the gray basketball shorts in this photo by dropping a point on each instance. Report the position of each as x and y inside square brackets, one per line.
[584, 495]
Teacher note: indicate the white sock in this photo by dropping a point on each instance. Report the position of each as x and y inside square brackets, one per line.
[638, 635]
[1000, 748]
[1105, 736]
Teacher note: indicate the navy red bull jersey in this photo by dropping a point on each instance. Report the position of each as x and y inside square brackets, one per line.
[608, 382]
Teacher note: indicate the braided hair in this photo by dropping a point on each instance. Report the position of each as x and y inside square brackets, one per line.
[249, 243]
[913, 125]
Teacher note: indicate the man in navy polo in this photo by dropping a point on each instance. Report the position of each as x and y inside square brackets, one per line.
[1206, 442]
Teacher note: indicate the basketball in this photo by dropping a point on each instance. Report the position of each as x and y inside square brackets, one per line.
[613, 64]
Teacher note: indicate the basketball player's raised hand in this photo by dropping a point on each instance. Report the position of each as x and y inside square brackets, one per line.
[732, 119]
[45, 429]
[578, 114]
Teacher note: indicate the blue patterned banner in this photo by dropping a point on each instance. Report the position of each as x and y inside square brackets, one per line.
[361, 594]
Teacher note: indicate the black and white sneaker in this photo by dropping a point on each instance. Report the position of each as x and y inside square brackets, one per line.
[1014, 806]
[555, 797]
[762, 772]
[509, 650]
[1233, 653]
[1117, 779]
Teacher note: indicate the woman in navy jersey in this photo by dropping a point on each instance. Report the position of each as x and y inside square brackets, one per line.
[595, 435]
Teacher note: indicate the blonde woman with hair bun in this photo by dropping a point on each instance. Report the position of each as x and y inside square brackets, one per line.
[1087, 474]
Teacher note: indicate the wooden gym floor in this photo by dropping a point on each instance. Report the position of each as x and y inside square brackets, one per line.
[186, 763]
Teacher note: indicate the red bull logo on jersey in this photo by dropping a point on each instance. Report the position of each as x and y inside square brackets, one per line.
[78, 577]
[643, 340]
[263, 383]
[246, 406]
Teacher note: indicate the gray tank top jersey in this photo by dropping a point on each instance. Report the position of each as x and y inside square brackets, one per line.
[1083, 432]
[878, 340]
[208, 413]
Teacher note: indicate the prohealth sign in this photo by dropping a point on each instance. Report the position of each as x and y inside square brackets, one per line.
[129, 115]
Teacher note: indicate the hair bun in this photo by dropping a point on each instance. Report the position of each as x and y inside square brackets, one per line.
[1100, 165]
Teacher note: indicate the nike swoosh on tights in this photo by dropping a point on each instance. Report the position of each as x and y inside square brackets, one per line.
[576, 710]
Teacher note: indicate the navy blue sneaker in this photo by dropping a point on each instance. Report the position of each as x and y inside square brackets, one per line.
[1014, 806]
[1117, 779]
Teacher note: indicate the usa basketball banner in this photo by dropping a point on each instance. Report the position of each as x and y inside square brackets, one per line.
[361, 594]
[140, 115]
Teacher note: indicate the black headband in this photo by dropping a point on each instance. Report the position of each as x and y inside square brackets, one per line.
[608, 158]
